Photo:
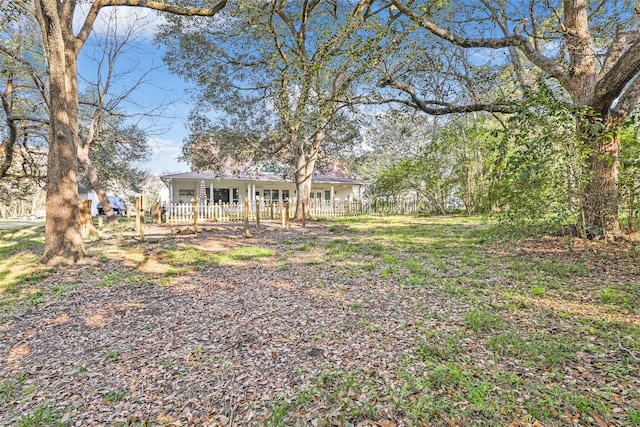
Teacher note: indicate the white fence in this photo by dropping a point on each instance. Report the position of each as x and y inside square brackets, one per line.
[213, 212]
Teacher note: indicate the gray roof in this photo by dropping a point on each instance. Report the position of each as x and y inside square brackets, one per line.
[262, 176]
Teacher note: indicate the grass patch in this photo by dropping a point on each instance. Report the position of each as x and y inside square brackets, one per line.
[482, 320]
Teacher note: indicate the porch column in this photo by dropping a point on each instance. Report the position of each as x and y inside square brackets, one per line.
[171, 198]
[332, 194]
[211, 200]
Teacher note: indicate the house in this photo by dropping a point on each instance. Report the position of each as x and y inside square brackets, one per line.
[262, 186]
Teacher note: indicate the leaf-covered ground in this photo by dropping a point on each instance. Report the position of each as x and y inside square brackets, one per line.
[369, 321]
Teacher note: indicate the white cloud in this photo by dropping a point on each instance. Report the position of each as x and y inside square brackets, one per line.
[145, 21]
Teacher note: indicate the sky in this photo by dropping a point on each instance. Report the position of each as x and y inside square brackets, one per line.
[161, 103]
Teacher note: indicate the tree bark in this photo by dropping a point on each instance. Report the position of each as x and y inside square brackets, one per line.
[63, 238]
[303, 177]
[600, 194]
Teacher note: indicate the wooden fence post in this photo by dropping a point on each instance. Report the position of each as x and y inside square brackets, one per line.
[156, 213]
[247, 234]
[286, 214]
[86, 222]
[258, 213]
[195, 215]
[272, 210]
[140, 217]
[282, 210]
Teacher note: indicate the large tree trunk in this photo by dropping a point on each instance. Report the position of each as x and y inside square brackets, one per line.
[90, 170]
[600, 197]
[305, 166]
[303, 176]
[63, 238]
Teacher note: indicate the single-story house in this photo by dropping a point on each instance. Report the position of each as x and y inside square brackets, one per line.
[263, 186]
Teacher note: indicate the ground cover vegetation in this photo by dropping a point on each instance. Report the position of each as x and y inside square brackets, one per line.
[382, 321]
[302, 82]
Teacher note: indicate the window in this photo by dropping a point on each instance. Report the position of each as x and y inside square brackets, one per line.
[285, 195]
[187, 193]
[269, 196]
[221, 194]
[236, 195]
[327, 196]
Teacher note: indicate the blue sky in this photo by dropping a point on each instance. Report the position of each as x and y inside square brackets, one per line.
[160, 104]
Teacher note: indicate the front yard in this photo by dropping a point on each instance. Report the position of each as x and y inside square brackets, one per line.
[364, 321]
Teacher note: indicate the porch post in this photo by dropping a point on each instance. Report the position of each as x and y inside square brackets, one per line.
[211, 199]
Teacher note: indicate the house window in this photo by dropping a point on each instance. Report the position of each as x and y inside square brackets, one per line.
[221, 194]
[236, 195]
[269, 196]
[187, 193]
[285, 195]
[327, 196]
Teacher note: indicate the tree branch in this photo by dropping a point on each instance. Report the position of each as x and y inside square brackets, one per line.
[445, 108]
[614, 81]
[627, 102]
[548, 65]
[149, 4]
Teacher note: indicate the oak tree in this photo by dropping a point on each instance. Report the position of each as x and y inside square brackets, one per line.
[62, 45]
[590, 49]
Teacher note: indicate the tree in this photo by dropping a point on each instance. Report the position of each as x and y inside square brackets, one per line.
[451, 167]
[591, 51]
[24, 114]
[282, 72]
[61, 45]
[119, 146]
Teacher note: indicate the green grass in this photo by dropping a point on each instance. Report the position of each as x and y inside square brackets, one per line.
[20, 270]
[42, 415]
[483, 320]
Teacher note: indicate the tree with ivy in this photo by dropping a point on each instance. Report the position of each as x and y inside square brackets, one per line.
[590, 50]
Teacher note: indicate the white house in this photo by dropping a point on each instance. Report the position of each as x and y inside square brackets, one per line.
[266, 187]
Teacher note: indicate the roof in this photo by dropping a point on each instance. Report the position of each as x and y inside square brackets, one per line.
[336, 178]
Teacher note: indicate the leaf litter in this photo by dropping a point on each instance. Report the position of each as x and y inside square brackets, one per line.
[323, 331]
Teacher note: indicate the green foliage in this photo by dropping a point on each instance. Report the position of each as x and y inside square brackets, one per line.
[451, 171]
[278, 93]
[541, 162]
[629, 174]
